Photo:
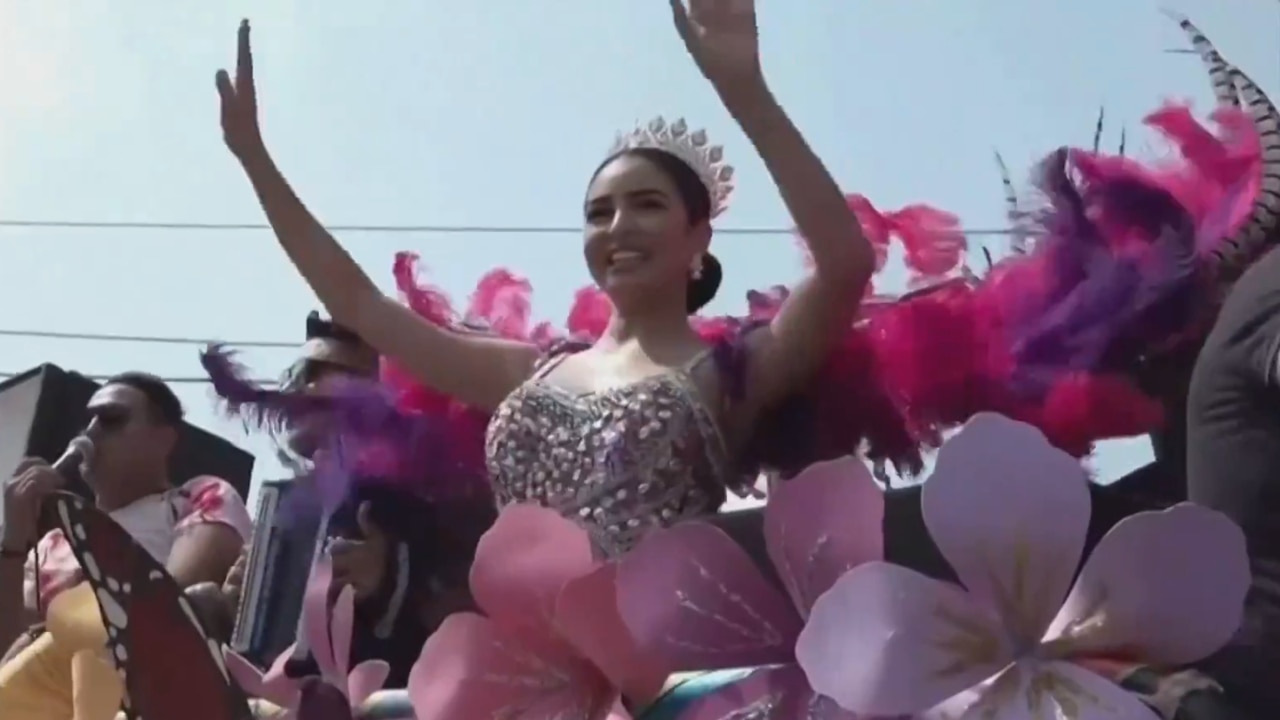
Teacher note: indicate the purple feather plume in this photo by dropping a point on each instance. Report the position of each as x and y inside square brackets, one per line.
[258, 407]
[370, 440]
[1101, 307]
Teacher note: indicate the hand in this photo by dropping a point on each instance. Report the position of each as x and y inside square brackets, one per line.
[240, 127]
[233, 583]
[24, 493]
[361, 564]
[217, 611]
[22, 643]
[721, 36]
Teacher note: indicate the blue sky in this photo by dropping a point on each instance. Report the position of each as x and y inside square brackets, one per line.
[493, 113]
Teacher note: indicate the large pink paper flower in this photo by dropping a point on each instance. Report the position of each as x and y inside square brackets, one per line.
[692, 597]
[550, 644]
[328, 634]
[1010, 512]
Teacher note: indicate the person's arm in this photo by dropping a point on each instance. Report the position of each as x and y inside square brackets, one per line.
[210, 536]
[476, 369]
[479, 371]
[724, 42]
[785, 354]
[15, 616]
[25, 639]
[1266, 354]
[32, 482]
[1246, 332]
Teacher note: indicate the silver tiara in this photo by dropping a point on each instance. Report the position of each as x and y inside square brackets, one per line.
[692, 148]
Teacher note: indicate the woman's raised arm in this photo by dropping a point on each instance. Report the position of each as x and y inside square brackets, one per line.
[722, 38]
[477, 370]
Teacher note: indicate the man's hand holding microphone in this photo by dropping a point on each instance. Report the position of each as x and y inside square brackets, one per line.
[33, 482]
[24, 493]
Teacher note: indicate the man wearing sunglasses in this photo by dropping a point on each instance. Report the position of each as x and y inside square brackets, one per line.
[196, 528]
[330, 352]
[383, 542]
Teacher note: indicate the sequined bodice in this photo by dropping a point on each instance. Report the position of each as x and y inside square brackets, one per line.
[621, 460]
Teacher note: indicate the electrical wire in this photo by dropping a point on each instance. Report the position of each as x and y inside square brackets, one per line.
[243, 227]
[153, 339]
[170, 380]
[444, 229]
[146, 339]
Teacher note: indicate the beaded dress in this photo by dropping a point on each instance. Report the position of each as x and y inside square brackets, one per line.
[620, 460]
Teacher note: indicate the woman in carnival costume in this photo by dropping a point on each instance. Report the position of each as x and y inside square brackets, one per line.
[642, 427]
[1043, 611]
[1145, 614]
[1043, 338]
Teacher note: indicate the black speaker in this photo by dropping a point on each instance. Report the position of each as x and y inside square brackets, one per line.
[275, 578]
[42, 409]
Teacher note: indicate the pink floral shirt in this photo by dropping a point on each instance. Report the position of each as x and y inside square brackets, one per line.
[154, 521]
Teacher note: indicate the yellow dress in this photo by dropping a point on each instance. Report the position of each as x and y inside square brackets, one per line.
[65, 673]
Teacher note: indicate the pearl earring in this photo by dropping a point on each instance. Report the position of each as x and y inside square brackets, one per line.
[695, 270]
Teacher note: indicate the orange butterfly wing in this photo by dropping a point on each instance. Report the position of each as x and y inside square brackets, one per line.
[172, 669]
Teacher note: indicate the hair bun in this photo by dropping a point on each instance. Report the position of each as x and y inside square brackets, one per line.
[702, 289]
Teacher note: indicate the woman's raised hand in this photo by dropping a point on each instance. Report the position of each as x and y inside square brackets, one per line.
[721, 37]
[240, 127]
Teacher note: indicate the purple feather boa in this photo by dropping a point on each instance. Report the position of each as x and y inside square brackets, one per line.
[370, 440]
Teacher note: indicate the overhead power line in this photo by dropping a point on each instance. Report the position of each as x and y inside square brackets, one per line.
[149, 339]
[192, 226]
[448, 229]
[170, 380]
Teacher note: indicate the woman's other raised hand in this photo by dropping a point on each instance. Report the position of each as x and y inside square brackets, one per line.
[239, 97]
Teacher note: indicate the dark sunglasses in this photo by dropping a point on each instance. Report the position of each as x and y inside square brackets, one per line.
[111, 419]
[313, 371]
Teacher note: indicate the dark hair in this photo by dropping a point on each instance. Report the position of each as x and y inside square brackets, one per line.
[318, 327]
[165, 405]
[697, 202]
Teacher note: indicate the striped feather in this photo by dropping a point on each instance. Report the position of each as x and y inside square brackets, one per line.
[1233, 88]
[1097, 130]
[1262, 230]
[1224, 86]
[1019, 232]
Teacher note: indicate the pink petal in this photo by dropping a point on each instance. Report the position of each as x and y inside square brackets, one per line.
[1166, 588]
[473, 668]
[366, 679]
[820, 524]
[315, 614]
[587, 617]
[778, 693]
[245, 673]
[272, 685]
[524, 560]
[1032, 691]
[885, 640]
[276, 672]
[1009, 512]
[694, 598]
[344, 610]
[955, 706]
